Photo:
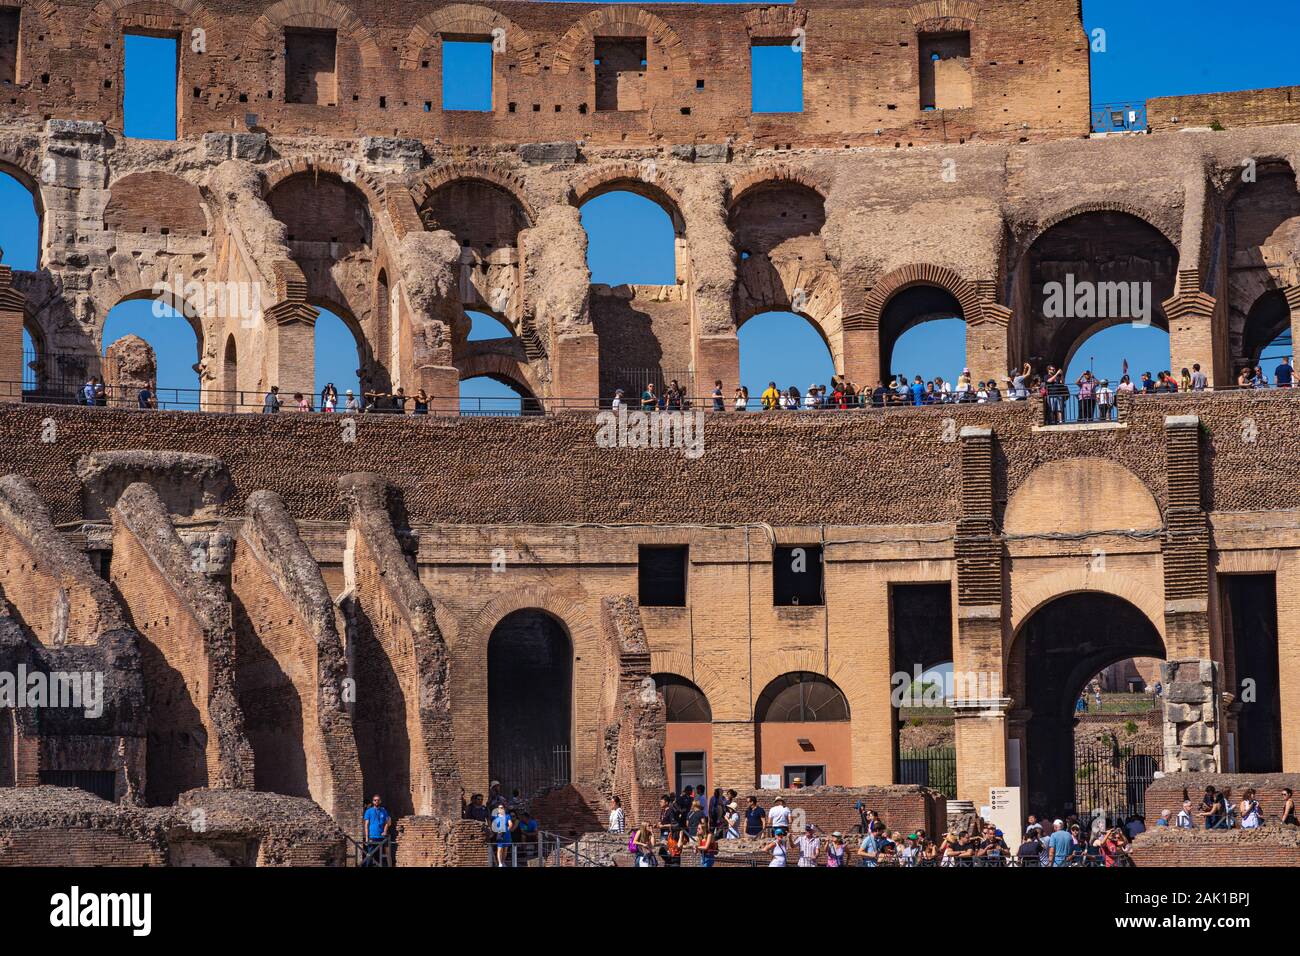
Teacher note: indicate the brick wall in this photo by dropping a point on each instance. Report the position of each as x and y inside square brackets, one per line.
[902, 808]
[1200, 848]
[1269, 107]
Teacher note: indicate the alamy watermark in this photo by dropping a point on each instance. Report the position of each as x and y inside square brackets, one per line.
[933, 688]
[77, 690]
[1076, 299]
[682, 430]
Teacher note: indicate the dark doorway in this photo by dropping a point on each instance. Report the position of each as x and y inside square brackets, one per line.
[920, 627]
[1250, 603]
[1059, 649]
[690, 770]
[530, 668]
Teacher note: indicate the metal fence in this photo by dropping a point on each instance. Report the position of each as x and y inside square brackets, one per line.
[531, 771]
[933, 767]
[1113, 781]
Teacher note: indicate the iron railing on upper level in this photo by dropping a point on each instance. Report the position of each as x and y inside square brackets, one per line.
[1127, 117]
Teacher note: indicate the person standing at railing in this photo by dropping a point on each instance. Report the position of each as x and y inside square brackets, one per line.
[1284, 374]
[1087, 400]
[329, 397]
[377, 824]
[617, 819]
[271, 404]
[1105, 401]
[421, 403]
[742, 399]
[144, 398]
[718, 404]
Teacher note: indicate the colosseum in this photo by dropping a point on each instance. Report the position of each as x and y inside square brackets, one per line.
[285, 614]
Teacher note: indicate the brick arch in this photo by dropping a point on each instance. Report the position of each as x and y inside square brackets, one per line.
[1231, 184]
[842, 675]
[502, 367]
[1056, 219]
[313, 13]
[366, 184]
[180, 208]
[1079, 579]
[938, 15]
[966, 293]
[679, 664]
[478, 171]
[474, 20]
[775, 176]
[107, 12]
[474, 636]
[642, 179]
[624, 18]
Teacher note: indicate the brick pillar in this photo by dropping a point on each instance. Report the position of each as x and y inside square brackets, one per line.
[986, 336]
[575, 371]
[13, 309]
[716, 357]
[1193, 679]
[1191, 329]
[1293, 303]
[980, 709]
[735, 757]
[291, 348]
[861, 353]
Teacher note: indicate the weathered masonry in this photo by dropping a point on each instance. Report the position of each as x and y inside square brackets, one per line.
[289, 620]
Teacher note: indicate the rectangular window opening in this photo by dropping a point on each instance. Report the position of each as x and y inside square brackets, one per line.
[467, 74]
[620, 73]
[310, 66]
[945, 70]
[775, 76]
[150, 86]
[661, 575]
[797, 576]
[9, 45]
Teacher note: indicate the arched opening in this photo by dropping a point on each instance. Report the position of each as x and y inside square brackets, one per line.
[1263, 236]
[386, 346]
[631, 240]
[320, 210]
[340, 359]
[490, 395]
[20, 226]
[1073, 763]
[785, 348]
[1106, 354]
[922, 332]
[1266, 335]
[688, 736]
[31, 359]
[802, 723]
[1086, 273]
[484, 327]
[231, 400]
[530, 702]
[483, 217]
[140, 325]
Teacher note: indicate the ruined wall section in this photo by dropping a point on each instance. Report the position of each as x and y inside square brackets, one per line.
[399, 658]
[196, 727]
[291, 671]
[634, 712]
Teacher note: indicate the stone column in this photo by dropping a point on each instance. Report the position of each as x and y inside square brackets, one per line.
[130, 365]
[1192, 711]
[291, 348]
[1191, 328]
[980, 729]
[13, 309]
[986, 336]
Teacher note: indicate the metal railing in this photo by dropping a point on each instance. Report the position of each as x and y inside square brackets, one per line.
[368, 852]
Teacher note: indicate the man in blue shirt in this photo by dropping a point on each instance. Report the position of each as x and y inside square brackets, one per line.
[378, 823]
[1060, 844]
[1283, 374]
[755, 819]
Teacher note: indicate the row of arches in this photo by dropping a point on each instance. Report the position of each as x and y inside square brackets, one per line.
[637, 235]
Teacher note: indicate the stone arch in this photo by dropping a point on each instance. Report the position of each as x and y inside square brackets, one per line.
[775, 175]
[24, 169]
[1080, 496]
[619, 21]
[107, 13]
[468, 19]
[327, 14]
[1081, 579]
[503, 368]
[644, 180]
[133, 205]
[474, 171]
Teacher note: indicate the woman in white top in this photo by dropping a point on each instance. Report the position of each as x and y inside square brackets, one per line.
[1125, 386]
[733, 822]
[742, 399]
[1250, 815]
[778, 850]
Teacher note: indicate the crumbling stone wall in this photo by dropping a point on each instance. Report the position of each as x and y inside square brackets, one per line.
[635, 713]
[291, 673]
[196, 727]
[397, 654]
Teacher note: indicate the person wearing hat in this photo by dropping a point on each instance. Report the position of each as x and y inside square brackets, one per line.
[350, 402]
[617, 403]
[732, 817]
[835, 849]
[809, 845]
[779, 818]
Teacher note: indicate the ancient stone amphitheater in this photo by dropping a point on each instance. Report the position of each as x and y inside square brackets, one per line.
[290, 613]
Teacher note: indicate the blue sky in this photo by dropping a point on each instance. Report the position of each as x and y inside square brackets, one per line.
[1152, 49]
